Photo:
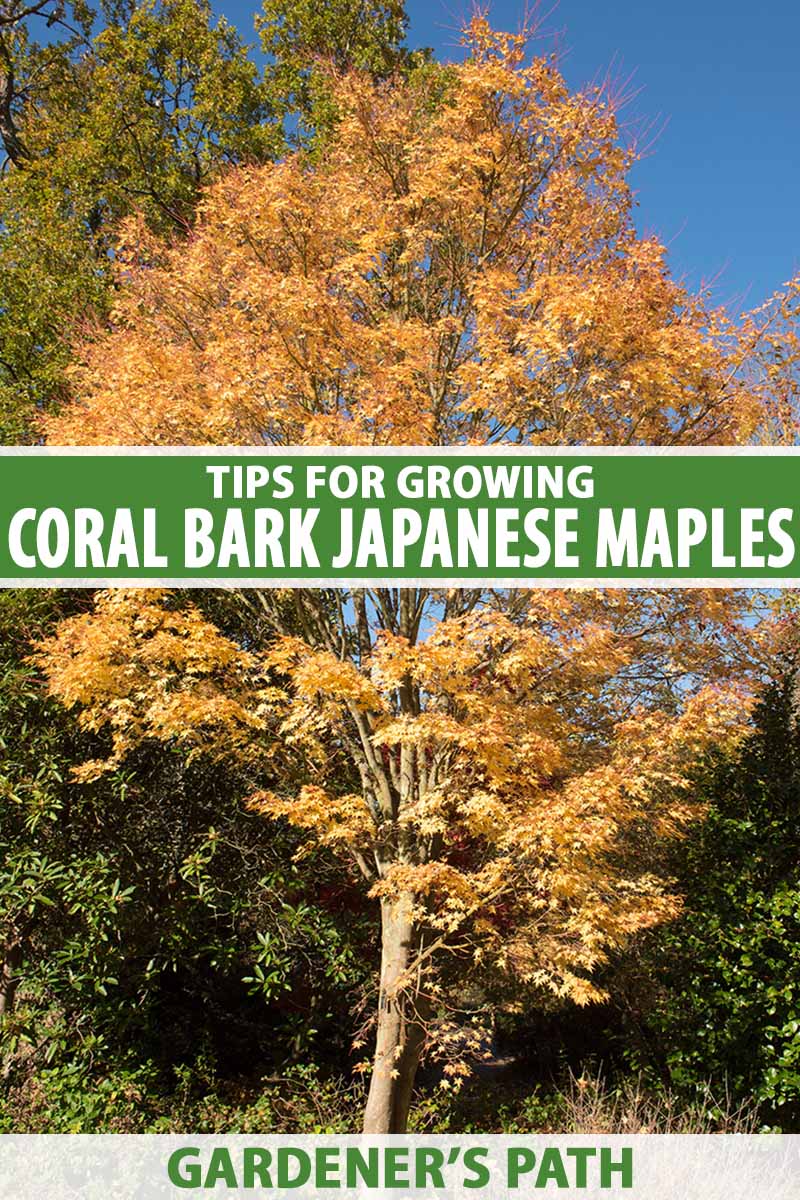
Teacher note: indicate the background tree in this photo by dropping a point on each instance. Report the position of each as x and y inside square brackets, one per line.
[134, 110]
[304, 42]
[458, 265]
[47, 896]
[723, 1004]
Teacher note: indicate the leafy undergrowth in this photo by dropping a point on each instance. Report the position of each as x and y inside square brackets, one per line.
[303, 1101]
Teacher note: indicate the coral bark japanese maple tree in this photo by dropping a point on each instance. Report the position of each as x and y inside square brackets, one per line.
[457, 266]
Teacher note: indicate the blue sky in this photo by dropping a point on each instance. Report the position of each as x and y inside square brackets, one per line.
[720, 82]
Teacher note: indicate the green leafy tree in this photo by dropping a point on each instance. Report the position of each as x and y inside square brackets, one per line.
[304, 40]
[136, 110]
[58, 899]
[725, 1008]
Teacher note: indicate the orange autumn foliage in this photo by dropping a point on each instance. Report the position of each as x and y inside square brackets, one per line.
[460, 266]
[503, 760]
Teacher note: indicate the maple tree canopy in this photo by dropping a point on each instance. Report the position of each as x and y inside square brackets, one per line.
[459, 266]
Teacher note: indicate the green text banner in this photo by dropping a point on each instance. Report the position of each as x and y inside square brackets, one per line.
[531, 517]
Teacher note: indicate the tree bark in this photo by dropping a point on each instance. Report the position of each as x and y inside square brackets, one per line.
[400, 1029]
[9, 135]
[12, 959]
[9, 981]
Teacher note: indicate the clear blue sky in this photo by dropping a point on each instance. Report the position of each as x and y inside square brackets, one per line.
[721, 81]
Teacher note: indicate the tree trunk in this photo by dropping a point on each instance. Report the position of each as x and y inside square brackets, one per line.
[9, 980]
[400, 1031]
[12, 960]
